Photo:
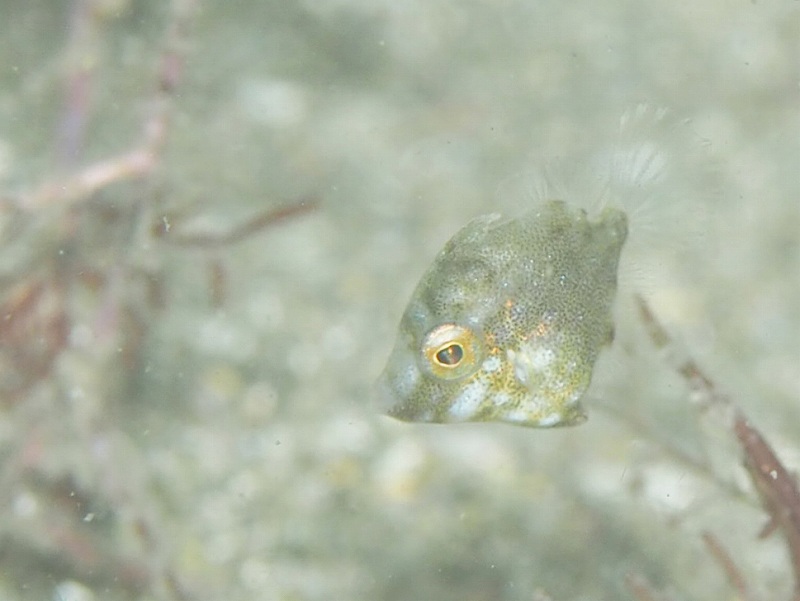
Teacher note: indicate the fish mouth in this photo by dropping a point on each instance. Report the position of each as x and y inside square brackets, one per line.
[385, 398]
[407, 413]
[389, 403]
[398, 395]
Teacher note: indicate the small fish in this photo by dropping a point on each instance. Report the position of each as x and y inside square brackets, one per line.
[508, 322]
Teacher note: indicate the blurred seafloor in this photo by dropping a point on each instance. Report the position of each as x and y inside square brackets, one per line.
[205, 429]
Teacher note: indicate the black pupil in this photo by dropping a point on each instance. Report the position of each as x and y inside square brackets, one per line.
[450, 355]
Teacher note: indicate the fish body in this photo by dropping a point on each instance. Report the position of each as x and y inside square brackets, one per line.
[507, 323]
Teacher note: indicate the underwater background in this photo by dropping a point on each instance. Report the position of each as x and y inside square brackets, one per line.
[212, 215]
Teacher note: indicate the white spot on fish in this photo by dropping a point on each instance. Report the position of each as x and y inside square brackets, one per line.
[550, 420]
[491, 364]
[531, 357]
[469, 400]
[541, 358]
[517, 416]
[520, 368]
[500, 399]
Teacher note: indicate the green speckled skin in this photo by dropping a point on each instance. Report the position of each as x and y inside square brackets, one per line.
[535, 294]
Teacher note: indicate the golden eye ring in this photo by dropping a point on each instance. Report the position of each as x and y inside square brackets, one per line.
[451, 351]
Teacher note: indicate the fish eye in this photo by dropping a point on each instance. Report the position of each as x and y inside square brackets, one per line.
[451, 351]
[451, 355]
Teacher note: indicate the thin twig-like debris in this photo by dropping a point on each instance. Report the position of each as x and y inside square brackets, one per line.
[732, 571]
[640, 588]
[241, 232]
[775, 485]
[141, 159]
[701, 385]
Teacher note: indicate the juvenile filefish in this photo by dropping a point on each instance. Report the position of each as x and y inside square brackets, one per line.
[508, 321]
